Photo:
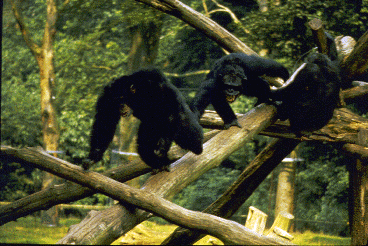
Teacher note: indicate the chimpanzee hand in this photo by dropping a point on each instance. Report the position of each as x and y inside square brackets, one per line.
[233, 123]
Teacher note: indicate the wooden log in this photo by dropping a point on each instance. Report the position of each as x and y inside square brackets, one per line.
[252, 176]
[358, 200]
[227, 231]
[356, 151]
[356, 63]
[319, 35]
[344, 45]
[281, 226]
[354, 93]
[69, 191]
[342, 128]
[256, 220]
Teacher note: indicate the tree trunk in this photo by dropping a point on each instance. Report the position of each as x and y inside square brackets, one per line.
[145, 43]
[45, 58]
[285, 187]
[358, 200]
[358, 203]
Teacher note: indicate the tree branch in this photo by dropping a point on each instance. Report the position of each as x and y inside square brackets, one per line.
[202, 23]
[35, 49]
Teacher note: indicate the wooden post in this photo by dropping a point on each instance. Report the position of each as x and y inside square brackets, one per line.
[358, 202]
[281, 225]
[256, 220]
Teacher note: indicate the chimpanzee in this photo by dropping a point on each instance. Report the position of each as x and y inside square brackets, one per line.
[231, 76]
[165, 117]
[309, 99]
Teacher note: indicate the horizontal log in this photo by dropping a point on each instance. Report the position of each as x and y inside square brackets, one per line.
[354, 93]
[342, 128]
[356, 151]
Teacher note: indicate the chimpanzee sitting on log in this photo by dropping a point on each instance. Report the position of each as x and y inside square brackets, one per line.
[312, 93]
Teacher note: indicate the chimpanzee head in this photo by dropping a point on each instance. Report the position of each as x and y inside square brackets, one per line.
[231, 79]
[139, 92]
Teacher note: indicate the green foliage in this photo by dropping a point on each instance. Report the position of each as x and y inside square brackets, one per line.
[322, 181]
[207, 189]
[17, 181]
[283, 32]
[29, 230]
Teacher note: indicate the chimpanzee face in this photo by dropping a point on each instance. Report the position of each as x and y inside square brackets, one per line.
[232, 78]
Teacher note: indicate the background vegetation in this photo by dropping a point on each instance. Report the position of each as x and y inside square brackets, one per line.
[93, 44]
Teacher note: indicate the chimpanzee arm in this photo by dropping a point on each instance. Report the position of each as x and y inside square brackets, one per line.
[257, 87]
[202, 98]
[103, 129]
[332, 50]
[258, 66]
[222, 107]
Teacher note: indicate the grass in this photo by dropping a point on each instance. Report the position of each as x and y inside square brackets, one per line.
[311, 238]
[29, 230]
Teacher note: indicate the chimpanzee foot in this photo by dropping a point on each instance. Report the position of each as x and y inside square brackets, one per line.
[161, 169]
[87, 163]
[161, 150]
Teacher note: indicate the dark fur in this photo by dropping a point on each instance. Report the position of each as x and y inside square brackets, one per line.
[310, 100]
[235, 74]
[165, 117]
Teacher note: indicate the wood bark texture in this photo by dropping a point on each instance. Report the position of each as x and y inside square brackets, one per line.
[357, 62]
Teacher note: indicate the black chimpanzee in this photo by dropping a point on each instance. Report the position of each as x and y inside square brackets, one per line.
[231, 76]
[165, 117]
[312, 93]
